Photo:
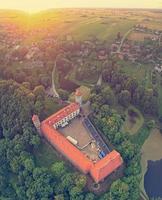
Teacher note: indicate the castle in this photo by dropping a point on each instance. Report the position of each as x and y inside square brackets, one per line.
[49, 129]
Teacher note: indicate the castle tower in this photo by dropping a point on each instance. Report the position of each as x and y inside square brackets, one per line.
[78, 97]
[37, 123]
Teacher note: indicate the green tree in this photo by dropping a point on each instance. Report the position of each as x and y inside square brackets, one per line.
[119, 190]
[124, 98]
[58, 169]
[39, 91]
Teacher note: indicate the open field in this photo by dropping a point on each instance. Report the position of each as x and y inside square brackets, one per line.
[151, 150]
[153, 24]
[141, 72]
[133, 128]
[135, 36]
[102, 30]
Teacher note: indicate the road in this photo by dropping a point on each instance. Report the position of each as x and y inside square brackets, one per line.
[55, 93]
[99, 82]
[123, 39]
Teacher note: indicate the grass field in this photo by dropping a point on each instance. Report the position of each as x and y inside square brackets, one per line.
[151, 150]
[51, 106]
[154, 24]
[130, 128]
[45, 155]
[102, 30]
[141, 72]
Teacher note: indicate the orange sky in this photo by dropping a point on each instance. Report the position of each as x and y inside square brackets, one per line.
[37, 5]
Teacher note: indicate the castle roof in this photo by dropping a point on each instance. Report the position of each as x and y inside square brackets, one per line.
[106, 166]
[99, 170]
[66, 148]
[61, 114]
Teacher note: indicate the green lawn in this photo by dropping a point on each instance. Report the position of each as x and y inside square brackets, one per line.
[51, 106]
[140, 137]
[106, 29]
[141, 72]
[45, 155]
[133, 128]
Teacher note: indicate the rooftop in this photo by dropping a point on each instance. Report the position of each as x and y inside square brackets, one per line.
[62, 113]
[85, 155]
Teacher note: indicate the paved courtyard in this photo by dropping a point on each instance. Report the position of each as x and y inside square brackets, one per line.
[77, 130]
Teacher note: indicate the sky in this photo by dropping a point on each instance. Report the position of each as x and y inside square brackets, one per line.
[38, 5]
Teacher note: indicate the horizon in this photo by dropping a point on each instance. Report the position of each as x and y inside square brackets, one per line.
[34, 6]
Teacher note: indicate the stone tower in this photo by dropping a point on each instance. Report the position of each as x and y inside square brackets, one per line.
[78, 97]
[37, 123]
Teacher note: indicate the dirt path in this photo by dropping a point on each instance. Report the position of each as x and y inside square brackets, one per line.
[123, 39]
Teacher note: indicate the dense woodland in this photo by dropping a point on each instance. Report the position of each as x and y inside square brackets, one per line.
[20, 178]
[18, 139]
[109, 121]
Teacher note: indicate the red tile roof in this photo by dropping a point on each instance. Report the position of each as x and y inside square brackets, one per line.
[66, 148]
[64, 112]
[99, 170]
[106, 166]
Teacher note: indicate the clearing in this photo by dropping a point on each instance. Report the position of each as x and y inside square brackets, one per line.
[134, 120]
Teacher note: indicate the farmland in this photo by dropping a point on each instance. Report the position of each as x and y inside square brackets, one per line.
[139, 36]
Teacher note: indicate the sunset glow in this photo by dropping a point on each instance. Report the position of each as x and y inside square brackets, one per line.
[37, 5]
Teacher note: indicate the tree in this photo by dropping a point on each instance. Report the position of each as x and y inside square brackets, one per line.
[119, 190]
[39, 107]
[29, 164]
[89, 196]
[127, 150]
[39, 91]
[63, 94]
[59, 197]
[58, 169]
[108, 96]
[80, 181]
[150, 124]
[75, 193]
[124, 98]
